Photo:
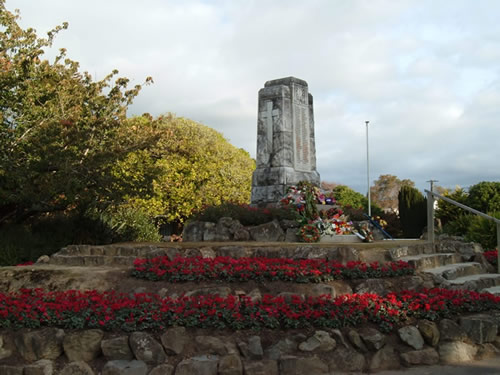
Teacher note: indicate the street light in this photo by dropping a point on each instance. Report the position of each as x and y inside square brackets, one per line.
[368, 171]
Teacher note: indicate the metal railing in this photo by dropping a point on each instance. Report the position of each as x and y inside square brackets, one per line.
[430, 217]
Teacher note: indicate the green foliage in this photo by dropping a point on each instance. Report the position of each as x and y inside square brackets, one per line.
[393, 226]
[351, 199]
[345, 196]
[245, 214]
[310, 211]
[483, 231]
[412, 211]
[485, 196]
[459, 226]
[130, 223]
[67, 150]
[189, 166]
[60, 132]
[29, 240]
[448, 212]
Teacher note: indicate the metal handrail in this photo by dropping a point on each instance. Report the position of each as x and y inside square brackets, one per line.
[430, 217]
[378, 226]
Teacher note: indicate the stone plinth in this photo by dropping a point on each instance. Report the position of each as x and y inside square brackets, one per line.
[343, 238]
[286, 151]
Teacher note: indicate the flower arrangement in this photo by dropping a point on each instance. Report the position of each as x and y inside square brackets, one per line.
[302, 200]
[72, 309]
[262, 269]
[380, 221]
[309, 233]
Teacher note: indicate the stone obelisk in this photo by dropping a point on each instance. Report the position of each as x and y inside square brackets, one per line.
[286, 150]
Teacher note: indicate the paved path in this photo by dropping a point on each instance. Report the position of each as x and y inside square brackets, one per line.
[485, 367]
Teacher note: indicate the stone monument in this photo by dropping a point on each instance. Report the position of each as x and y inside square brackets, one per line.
[286, 150]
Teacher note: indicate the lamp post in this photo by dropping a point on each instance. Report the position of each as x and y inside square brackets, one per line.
[368, 171]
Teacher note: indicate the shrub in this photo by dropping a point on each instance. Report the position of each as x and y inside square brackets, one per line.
[459, 226]
[130, 223]
[412, 211]
[44, 236]
[483, 231]
[393, 226]
[354, 214]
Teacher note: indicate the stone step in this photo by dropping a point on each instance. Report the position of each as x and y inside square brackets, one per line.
[111, 250]
[426, 261]
[397, 253]
[492, 289]
[92, 260]
[453, 271]
[473, 282]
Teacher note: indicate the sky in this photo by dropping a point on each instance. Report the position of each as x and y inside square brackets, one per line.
[424, 73]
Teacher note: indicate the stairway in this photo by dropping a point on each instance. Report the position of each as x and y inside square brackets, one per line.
[451, 267]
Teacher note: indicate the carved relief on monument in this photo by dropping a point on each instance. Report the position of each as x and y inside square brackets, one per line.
[285, 139]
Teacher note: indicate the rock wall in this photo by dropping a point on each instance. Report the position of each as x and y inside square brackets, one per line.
[228, 229]
[181, 351]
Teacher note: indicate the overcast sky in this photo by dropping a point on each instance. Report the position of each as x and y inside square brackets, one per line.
[426, 74]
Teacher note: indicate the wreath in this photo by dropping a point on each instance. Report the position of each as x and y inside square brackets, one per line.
[309, 233]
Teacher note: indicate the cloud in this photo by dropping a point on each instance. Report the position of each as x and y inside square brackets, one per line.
[424, 73]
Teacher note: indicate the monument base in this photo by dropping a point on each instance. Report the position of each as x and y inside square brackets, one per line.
[343, 238]
[269, 185]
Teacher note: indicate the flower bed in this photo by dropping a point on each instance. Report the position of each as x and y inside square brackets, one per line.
[492, 256]
[32, 308]
[262, 269]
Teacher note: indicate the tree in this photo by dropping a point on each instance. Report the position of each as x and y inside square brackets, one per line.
[61, 133]
[412, 211]
[385, 191]
[485, 196]
[188, 166]
[448, 212]
[347, 197]
[328, 186]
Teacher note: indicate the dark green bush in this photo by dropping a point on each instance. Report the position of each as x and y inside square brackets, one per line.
[412, 211]
[129, 223]
[46, 235]
[459, 226]
[483, 231]
[393, 226]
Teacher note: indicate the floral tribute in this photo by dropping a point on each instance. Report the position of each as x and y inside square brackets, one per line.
[492, 256]
[33, 308]
[309, 233]
[262, 269]
[303, 199]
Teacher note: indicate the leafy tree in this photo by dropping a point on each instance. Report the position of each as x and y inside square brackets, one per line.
[483, 231]
[61, 133]
[347, 197]
[188, 166]
[448, 212]
[328, 186]
[385, 191]
[412, 211]
[485, 196]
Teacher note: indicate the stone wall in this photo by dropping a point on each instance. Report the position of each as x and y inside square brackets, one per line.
[228, 229]
[181, 351]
